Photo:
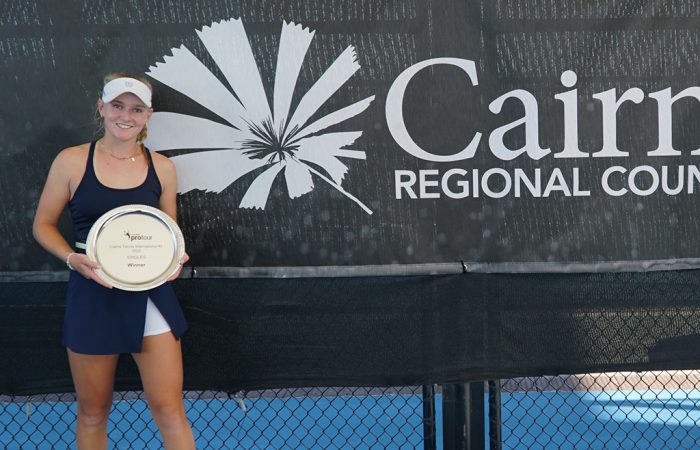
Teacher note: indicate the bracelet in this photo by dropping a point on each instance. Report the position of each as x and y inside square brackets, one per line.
[70, 266]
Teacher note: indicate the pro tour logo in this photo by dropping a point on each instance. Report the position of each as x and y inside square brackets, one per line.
[278, 141]
[137, 236]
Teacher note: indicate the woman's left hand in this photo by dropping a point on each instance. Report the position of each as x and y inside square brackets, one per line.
[183, 260]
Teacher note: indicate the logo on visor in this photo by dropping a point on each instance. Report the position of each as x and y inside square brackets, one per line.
[271, 140]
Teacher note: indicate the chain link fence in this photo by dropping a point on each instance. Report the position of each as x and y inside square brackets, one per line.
[333, 418]
[621, 410]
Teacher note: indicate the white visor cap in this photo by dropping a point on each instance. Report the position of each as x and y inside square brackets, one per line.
[119, 86]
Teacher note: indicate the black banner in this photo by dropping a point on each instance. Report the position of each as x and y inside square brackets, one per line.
[329, 138]
[315, 134]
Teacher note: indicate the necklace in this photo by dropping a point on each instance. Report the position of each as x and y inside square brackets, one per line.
[132, 157]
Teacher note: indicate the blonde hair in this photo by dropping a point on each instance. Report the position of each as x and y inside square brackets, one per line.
[113, 76]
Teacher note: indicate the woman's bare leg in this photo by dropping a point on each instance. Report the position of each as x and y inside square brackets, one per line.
[160, 365]
[93, 377]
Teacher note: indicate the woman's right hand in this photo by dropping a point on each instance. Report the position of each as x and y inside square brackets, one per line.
[86, 267]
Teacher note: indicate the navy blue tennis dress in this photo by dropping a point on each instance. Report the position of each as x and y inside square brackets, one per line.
[102, 321]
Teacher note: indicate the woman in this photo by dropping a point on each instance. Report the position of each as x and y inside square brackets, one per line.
[100, 321]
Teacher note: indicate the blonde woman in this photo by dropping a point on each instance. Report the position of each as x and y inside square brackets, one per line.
[100, 321]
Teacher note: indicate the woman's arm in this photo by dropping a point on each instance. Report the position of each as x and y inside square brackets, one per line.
[168, 183]
[168, 197]
[52, 202]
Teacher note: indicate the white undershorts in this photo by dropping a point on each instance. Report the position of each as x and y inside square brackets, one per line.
[155, 322]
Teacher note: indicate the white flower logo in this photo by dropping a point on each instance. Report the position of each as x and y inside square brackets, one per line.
[278, 141]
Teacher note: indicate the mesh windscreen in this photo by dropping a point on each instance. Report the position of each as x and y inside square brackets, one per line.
[267, 333]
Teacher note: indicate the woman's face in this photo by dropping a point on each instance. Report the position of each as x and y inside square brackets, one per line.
[125, 116]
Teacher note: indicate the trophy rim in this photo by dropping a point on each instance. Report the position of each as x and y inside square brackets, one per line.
[113, 214]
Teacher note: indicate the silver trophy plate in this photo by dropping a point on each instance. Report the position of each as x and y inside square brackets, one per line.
[138, 247]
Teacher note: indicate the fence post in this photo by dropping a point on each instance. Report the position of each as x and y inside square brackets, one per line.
[463, 416]
[476, 422]
[454, 413]
[429, 434]
[495, 415]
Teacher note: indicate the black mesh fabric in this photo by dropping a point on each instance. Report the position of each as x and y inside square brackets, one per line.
[268, 333]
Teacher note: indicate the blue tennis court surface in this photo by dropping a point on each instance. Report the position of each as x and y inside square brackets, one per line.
[659, 419]
[614, 419]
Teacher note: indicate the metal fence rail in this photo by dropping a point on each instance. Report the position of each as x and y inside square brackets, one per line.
[286, 418]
